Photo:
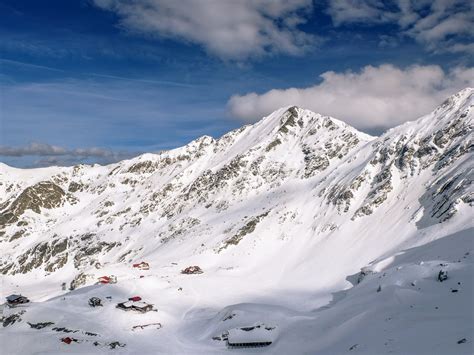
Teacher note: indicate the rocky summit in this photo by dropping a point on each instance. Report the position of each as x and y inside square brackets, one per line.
[299, 221]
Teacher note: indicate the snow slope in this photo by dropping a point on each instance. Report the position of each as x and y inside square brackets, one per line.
[281, 216]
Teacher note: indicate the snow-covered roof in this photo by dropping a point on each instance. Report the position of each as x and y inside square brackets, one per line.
[129, 304]
[13, 297]
[252, 334]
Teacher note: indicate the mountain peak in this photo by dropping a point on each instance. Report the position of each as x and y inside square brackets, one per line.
[269, 204]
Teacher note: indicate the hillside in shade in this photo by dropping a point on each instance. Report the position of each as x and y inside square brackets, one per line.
[333, 237]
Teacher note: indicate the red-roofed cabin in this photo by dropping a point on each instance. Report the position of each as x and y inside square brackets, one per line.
[104, 279]
[135, 298]
[107, 279]
[68, 340]
[142, 266]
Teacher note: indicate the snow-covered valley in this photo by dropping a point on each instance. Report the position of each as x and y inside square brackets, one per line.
[330, 237]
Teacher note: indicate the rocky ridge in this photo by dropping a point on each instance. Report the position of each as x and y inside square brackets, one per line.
[215, 194]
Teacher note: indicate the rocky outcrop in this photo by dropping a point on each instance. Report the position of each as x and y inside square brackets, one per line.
[44, 194]
[50, 255]
[248, 228]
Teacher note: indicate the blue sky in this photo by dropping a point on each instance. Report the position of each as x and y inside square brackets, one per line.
[102, 80]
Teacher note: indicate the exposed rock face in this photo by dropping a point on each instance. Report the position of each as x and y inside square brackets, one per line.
[248, 228]
[445, 195]
[12, 318]
[50, 255]
[44, 194]
[380, 187]
[40, 325]
[75, 187]
[402, 154]
[293, 172]
[190, 270]
[289, 120]
[79, 280]
[314, 163]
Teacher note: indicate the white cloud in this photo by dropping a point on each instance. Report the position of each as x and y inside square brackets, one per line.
[44, 149]
[56, 155]
[347, 11]
[229, 29]
[33, 148]
[375, 97]
[431, 23]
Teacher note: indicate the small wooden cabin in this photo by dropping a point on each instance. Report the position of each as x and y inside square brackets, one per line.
[14, 300]
[108, 279]
[142, 266]
[141, 307]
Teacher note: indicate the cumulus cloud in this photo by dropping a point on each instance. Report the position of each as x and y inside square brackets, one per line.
[229, 29]
[431, 23]
[373, 98]
[55, 155]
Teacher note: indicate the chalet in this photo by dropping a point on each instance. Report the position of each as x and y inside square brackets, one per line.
[107, 279]
[142, 266]
[141, 307]
[251, 337]
[69, 340]
[14, 300]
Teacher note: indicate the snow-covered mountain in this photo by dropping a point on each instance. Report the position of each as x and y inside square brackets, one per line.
[281, 216]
